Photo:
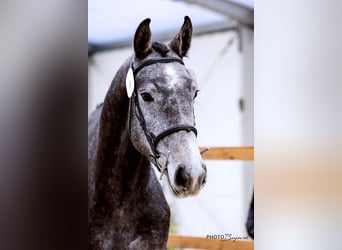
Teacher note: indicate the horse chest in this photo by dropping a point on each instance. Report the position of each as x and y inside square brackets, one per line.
[136, 227]
[143, 222]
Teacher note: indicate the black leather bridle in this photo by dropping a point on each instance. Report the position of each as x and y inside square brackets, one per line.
[152, 139]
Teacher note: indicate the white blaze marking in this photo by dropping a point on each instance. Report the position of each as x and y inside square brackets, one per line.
[170, 72]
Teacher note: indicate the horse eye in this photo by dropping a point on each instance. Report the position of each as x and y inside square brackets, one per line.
[196, 93]
[146, 97]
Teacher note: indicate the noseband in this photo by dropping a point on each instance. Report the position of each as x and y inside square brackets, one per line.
[152, 139]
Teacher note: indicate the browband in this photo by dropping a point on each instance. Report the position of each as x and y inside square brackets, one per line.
[153, 61]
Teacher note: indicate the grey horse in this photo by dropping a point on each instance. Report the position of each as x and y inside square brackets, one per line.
[146, 120]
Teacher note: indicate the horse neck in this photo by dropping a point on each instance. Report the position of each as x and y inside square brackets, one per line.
[121, 168]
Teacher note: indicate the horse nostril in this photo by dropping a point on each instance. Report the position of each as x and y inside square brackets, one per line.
[203, 178]
[182, 178]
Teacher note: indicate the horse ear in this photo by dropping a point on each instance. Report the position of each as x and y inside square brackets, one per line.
[142, 39]
[181, 42]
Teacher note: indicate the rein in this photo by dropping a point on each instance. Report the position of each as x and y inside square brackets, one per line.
[152, 139]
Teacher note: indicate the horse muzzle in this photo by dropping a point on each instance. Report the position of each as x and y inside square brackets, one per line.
[189, 180]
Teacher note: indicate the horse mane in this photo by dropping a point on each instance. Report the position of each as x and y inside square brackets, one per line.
[161, 48]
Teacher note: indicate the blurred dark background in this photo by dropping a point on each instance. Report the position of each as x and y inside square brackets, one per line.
[43, 124]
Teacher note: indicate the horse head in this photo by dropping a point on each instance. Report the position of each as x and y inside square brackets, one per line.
[162, 92]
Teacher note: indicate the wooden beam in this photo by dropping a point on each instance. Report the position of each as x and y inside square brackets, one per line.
[203, 243]
[228, 153]
[230, 9]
